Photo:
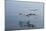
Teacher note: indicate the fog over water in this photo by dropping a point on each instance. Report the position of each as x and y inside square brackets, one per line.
[13, 8]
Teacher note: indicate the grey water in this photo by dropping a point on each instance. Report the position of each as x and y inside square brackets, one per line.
[13, 8]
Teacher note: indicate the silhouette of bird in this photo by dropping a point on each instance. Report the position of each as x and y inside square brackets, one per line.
[30, 14]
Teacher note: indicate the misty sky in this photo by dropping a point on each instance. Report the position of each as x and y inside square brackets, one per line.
[13, 8]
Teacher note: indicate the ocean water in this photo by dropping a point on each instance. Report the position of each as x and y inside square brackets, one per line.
[14, 8]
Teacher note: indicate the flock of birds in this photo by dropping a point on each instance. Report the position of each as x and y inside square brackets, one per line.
[29, 13]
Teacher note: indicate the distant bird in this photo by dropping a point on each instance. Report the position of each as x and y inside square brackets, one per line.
[30, 14]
